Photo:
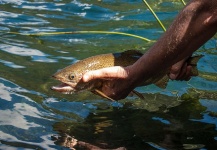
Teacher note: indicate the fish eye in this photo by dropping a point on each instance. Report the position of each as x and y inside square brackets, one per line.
[71, 77]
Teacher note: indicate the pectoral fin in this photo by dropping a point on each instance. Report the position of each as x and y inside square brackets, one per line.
[100, 93]
[138, 94]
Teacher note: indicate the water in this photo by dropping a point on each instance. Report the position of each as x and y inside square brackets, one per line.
[183, 116]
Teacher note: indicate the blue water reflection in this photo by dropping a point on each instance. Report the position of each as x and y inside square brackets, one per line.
[24, 51]
[207, 119]
[14, 19]
[209, 104]
[22, 119]
[78, 108]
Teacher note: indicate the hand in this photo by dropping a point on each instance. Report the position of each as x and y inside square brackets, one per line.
[116, 81]
[181, 71]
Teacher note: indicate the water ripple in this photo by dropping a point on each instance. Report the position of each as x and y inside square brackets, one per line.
[41, 6]
[78, 108]
[17, 2]
[22, 119]
[9, 18]
[27, 116]
[24, 51]
[11, 64]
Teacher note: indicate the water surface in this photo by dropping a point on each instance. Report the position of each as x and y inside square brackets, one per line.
[183, 116]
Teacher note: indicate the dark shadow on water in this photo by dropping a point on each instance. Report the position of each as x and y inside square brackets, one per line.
[140, 129]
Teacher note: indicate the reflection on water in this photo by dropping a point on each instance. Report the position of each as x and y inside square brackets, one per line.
[183, 116]
[22, 119]
[141, 129]
[11, 64]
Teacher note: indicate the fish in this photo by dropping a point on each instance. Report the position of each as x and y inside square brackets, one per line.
[71, 76]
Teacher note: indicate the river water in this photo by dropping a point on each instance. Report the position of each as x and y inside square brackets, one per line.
[182, 116]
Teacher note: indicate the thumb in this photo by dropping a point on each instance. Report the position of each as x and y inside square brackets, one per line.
[90, 75]
[109, 72]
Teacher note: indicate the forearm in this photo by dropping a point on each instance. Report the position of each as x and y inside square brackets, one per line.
[194, 25]
[182, 38]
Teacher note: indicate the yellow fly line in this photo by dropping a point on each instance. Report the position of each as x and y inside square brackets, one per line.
[154, 14]
[83, 32]
[183, 2]
[156, 17]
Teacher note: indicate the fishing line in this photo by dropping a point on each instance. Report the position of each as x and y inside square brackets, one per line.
[183, 2]
[156, 17]
[91, 32]
[154, 14]
[82, 32]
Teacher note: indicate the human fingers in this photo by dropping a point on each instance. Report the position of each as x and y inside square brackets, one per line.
[175, 70]
[185, 73]
[114, 90]
[182, 72]
[105, 73]
[188, 73]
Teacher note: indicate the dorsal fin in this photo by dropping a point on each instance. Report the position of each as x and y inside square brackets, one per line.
[162, 83]
[132, 52]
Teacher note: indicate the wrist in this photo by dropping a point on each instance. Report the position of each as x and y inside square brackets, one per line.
[133, 75]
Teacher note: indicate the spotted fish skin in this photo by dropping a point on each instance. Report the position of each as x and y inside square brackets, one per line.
[71, 75]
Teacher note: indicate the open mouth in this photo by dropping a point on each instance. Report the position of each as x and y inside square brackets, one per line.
[63, 88]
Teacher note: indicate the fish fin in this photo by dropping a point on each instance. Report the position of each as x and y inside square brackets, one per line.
[138, 94]
[194, 59]
[193, 62]
[132, 52]
[100, 93]
[162, 83]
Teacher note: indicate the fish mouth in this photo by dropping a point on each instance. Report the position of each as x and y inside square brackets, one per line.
[63, 88]
[67, 87]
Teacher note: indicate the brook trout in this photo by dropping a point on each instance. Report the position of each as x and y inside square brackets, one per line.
[71, 75]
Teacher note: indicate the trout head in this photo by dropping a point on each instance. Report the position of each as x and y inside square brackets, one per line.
[71, 80]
